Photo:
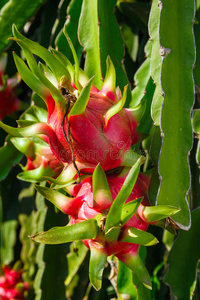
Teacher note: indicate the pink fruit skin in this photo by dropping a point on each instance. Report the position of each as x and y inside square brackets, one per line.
[93, 140]
[8, 284]
[84, 208]
[8, 99]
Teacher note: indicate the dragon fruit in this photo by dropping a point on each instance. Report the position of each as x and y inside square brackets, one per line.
[85, 208]
[11, 285]
[8, 97]
[85, 126]
[111, 215]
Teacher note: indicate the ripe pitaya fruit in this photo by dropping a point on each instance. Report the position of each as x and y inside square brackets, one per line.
[111, 215]
[11, 285]
[85, 126]
[8, 97]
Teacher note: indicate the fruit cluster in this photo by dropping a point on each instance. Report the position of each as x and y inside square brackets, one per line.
[80, 143]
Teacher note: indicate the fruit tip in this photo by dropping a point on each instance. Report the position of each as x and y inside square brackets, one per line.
[31, 236]
[14, 29]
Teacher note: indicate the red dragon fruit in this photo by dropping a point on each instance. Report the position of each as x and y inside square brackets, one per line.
[85, 126]
[11, 285]
[8, 97]
[87, 209]
[111, 215]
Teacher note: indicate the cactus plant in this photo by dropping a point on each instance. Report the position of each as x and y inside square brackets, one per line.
[114, 158]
